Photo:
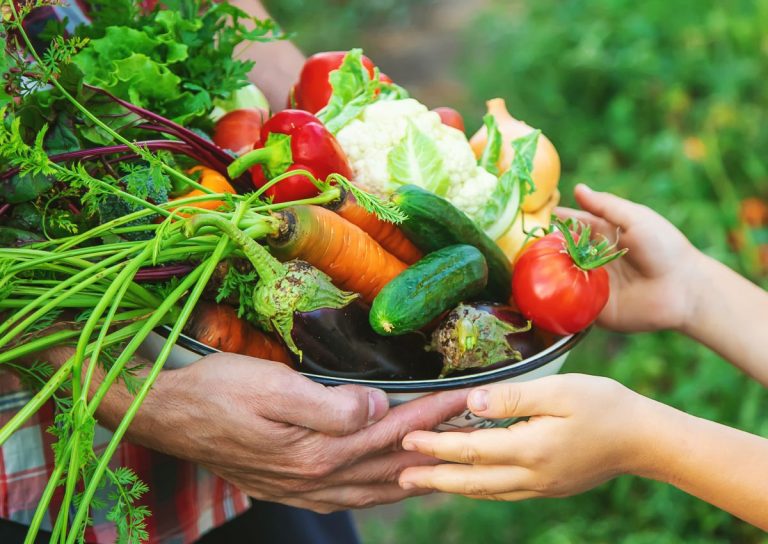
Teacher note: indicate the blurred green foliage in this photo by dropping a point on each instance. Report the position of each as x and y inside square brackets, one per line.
[661, 102]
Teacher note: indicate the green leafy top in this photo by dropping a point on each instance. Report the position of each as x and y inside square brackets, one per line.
[176, 61]
[416, 160]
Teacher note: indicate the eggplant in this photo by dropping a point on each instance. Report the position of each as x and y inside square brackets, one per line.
[483, 336]
[339, 342]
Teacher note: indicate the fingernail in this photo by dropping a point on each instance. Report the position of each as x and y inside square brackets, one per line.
[584, 187]
[409, 446]
[378, 404]
[407, 485]
[478, 400]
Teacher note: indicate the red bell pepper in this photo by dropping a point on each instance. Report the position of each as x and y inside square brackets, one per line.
[292, 140]
[313, 90]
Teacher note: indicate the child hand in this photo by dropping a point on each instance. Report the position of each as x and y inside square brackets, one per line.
[654, 286]
[583, 431]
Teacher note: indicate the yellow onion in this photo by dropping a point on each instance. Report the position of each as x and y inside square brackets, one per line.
[512, 241]
[546, 163]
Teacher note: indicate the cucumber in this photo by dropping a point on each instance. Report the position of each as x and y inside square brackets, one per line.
[433, 223]
[429, 287]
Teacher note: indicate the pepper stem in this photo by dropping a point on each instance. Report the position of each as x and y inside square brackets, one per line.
[276, 156]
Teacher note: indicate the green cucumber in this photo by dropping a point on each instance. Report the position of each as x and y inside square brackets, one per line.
[433, 223]
[429, 287]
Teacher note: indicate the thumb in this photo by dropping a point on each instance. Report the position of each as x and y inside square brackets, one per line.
[616, 210]
[335, 410]
[532, 398]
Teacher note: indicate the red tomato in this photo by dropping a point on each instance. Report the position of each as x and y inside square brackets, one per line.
[450, 117]
[238, 130]
[553, 291]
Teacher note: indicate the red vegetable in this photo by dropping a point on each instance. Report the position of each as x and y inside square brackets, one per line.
[292, 140]
[238, 130]
[558, 281]
[450, 117]
[313, 90]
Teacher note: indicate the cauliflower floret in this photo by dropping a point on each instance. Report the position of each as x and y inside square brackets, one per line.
[382, 126]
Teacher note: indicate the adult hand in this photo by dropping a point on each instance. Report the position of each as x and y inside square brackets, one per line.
[656, 284]
[280, 437]
[582, 431]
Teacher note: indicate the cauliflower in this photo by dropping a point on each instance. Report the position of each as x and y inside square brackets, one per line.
[393, 142]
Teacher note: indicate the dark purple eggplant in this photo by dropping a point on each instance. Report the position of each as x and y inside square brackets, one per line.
[341, 343]
[483, 336]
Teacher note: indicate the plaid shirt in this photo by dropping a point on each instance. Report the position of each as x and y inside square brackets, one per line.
[185, 499]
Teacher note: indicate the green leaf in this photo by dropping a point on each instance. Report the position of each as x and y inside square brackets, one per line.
[10, 237]
[522, 163]
[5, 65]
[353, 89]
[62, 138]
[416, 160]
[24, 188]
[503, 205]
[492, 151]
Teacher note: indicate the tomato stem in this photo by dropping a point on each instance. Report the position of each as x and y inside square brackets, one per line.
[586, 253]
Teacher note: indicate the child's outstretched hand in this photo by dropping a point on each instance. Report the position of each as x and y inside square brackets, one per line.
[654, 286]
[583, 431]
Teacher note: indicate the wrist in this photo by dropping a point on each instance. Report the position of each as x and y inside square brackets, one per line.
[659, 439]
[697, 294]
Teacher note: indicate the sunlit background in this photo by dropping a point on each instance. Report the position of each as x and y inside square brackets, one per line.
[664, 102]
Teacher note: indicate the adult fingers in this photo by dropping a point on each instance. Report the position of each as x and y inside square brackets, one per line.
[380, 469]
[420, 414]
[543, 396]
[289, 397]
[468, 479]
[361, 496]
[616, 210]
[483, 447]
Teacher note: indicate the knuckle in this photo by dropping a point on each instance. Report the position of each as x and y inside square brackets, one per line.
[317, 470]
[470, 455]
[475, 488]
[511, 397]
[365, 499]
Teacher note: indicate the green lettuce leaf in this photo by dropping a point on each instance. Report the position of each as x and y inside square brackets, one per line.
[504, 204]
[416, 160]
[354, 89]
[492, 152]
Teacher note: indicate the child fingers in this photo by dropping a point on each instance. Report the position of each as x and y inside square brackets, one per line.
[540, 397]
[478, 481]
[614, 209]
[482, 447]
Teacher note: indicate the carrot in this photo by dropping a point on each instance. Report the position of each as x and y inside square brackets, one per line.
[214, 181]
[327, 241]
[385, 233]
[217, 326]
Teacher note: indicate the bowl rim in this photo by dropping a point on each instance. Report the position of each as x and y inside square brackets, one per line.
[556, 350]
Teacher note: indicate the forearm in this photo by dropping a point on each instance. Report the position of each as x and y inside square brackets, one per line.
[730, 316]
[723, 466]
[277, 63]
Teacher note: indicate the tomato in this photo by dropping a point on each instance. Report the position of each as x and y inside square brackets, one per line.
[238, 130]
[450, 117]
[553, 291]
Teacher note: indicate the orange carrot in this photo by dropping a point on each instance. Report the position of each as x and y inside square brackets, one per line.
[217, 326]
[213, 180]
[385, 233]
[353, 260]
